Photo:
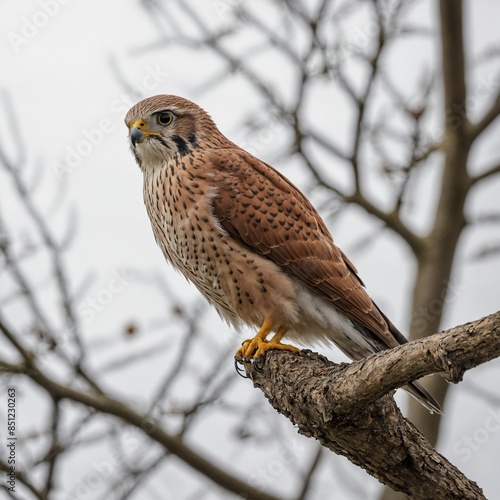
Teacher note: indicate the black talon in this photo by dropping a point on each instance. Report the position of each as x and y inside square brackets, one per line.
[240, 371]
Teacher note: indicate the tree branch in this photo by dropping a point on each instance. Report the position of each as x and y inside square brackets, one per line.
[21, 477]
[339, 405]
[495, 170]
[175, 445]
[453, 61]
[391, 220]
[487, 119]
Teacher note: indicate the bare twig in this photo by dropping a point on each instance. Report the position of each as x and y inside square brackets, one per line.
[308, 476]
[488, 173]
[173, 444]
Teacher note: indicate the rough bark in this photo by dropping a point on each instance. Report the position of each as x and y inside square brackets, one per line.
[344, 406]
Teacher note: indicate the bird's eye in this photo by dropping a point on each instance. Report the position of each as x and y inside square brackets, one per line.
[165, 118]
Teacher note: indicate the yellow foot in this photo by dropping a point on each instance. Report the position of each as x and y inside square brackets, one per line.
[258, 346]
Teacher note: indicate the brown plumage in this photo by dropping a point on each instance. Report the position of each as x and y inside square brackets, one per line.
[249, 240]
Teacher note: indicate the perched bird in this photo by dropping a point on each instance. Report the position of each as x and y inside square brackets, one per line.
[249, 240]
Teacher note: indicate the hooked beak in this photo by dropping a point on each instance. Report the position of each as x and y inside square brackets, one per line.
[136, 135]
[139, 132]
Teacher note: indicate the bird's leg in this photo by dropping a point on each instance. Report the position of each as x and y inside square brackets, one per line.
[250, 346]
[275, 343]
[258, 346]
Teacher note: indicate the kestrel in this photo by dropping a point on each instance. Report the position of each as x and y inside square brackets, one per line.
[249, 240]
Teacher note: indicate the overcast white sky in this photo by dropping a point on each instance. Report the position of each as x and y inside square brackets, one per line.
[58, 79]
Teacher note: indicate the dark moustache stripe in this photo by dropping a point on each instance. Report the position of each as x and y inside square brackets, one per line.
[182, 146]
[161, 140]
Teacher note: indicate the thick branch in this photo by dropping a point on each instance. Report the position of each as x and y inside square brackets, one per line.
[339, 405]
[435, 264]
[450, 353]
[453, 58]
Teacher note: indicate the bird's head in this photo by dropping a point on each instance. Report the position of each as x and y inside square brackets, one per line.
[165, 125]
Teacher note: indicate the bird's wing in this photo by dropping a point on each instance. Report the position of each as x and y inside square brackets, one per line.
[264, 211]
